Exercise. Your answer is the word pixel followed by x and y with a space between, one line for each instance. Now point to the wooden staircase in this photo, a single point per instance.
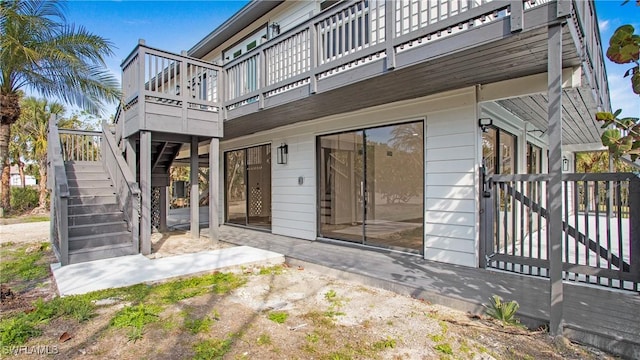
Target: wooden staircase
pixel 97 227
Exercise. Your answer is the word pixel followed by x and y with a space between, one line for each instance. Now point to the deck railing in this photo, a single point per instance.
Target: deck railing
pixel 354 33
pixel 600 227
pixel 59 187
pixel 158 76
pixel 80 145
pixel 124 182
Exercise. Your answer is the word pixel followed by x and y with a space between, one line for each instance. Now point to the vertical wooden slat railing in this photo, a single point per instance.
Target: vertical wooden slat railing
pixel 80 145
pixel 153 75
pixel 353 33
pixel 59 187
pixel 601 240
pixel 124 182
pixel 588 35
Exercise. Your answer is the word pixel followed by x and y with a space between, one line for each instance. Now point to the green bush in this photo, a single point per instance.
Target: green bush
pixel 24 198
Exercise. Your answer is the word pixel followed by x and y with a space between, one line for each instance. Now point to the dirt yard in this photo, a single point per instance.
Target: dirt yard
pixel 263 313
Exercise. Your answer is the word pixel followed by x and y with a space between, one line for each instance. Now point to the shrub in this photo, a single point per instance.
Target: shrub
pixel 24 198
pixel 503 311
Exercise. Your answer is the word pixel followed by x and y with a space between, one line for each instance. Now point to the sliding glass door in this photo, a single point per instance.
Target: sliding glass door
pixel 371 186
pixel 248 186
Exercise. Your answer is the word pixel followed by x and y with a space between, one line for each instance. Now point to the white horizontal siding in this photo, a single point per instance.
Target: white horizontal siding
pixel 450 187
pixel 293 210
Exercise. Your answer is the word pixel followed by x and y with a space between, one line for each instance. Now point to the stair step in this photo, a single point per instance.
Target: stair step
pixel 84 165
pixel 96 218
pixel 90 209
pixel 101 252
pixel 98 228
pixel 92 199
pixel 94 183
pixel 92 241
pixel 88 176
pixel 95 191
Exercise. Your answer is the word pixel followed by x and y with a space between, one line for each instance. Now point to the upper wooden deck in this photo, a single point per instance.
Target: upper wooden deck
pixel 366 53
pixel 169 93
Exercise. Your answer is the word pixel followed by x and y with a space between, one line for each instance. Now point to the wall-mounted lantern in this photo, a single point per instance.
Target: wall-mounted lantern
pixel 282 154
pixel 565 164
pixel 485 124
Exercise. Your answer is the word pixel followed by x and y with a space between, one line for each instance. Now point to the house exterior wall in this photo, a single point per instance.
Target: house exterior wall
pixel 287 15
pixel 451 170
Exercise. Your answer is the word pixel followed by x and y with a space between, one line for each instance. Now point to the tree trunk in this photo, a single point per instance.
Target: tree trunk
pixel 23 179
pixel 42 199
pixel 5 193
pixel 9 113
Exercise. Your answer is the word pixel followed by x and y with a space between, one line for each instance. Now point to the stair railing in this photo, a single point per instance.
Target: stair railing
pixel 127 190
pixel 59 187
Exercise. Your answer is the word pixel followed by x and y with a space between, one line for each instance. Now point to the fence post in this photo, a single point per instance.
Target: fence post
pixel 634 228
pixel 554 193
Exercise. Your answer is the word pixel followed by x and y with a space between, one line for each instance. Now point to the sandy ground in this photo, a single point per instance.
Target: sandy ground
pixel 328 318
pixel 25 232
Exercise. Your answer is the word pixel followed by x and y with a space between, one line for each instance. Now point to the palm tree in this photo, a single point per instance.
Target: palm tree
pixel 41 52
pixel 33 125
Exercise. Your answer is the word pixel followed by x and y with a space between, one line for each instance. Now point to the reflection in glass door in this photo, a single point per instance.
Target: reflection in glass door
pixel 248 186
pixel 371 186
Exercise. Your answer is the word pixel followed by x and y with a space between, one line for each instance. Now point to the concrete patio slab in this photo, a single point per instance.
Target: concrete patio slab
pixel 122 271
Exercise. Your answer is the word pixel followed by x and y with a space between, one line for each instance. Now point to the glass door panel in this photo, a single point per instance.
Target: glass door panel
pixel 341 186
pixel 236 195
pixel 259 186
pixel 394 187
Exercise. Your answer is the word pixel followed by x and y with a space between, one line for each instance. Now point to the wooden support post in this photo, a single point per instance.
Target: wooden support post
pixel 164 208
pixel 145 190
pixel 389 29
pixel 554 193
pixel 214 176
pixel 195 193
pixel 131 155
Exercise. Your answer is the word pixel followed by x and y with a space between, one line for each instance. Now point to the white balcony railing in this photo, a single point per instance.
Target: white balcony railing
pixel 357 32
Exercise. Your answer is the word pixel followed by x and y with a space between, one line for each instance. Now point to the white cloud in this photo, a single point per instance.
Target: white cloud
pixel 603 25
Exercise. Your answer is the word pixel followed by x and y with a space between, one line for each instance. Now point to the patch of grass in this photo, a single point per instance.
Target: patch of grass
pixel 17 330
pixel 338 355
pixel 444 348
pixel 78 307
pixel 313 337
pixel 196 326
pixel 333 313
pixel 264 339
pixel 272 270
pixel 177 290
pixel 135 318
pixel 436 337
pixel 212 349
pixel 278 316
pixel 319 319
pixel 388 343
pixel 503 311
pixel 20 265
pixel 330 295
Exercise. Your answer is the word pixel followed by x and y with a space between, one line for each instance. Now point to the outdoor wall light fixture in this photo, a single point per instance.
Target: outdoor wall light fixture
pixel 485 123
pixel 565 164
pixel 282 154
pixel 275 29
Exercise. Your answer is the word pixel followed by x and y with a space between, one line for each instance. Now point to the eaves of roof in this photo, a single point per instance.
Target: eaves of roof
pixel 240 20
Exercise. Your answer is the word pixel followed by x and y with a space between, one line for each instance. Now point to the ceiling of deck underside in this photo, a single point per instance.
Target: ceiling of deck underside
pixel 578 114
pixel 518 55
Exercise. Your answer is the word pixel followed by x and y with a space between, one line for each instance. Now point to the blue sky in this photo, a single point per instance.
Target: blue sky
pixel 178 25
